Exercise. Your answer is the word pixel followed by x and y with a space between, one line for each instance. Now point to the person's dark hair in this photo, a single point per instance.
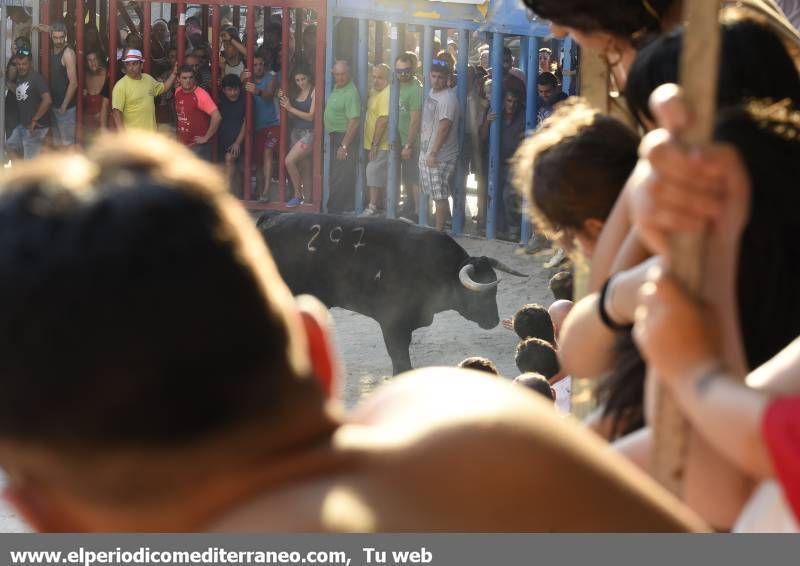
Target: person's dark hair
pixel 507 52
pixel 448 62
pixel 537 355
pixel 58 26
pixel 233 33
pixel 231 81
pixel 102 343
pixel 753 64
pixel 101 57
pixel 185 69
pixel 410 58
pixel 303 69
pixel 533 321
pixel 768 140
pixel 621 393
pixel 634 21
pixel 536 382
pixel 547 79
pixel 514 91
pixel 574 167
pixel 561 285
pixel 300 69
pixel 479 363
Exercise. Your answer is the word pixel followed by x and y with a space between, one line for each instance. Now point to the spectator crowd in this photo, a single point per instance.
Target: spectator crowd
pixel 177 97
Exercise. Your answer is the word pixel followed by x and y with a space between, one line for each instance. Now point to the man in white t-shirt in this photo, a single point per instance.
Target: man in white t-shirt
pixel 439 140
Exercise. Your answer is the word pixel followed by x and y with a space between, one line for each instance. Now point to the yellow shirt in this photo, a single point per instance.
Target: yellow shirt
pixel 377 106
pixel 135 99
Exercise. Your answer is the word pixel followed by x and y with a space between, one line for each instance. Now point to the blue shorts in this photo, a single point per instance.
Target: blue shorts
pixel 25 143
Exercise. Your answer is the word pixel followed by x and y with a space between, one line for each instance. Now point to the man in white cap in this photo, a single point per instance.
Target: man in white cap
pixel 132 100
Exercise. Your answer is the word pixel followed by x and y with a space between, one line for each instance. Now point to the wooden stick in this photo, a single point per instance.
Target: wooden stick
pixel 699 73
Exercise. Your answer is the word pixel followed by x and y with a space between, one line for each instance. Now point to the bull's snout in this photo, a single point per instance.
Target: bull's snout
pixel 489 323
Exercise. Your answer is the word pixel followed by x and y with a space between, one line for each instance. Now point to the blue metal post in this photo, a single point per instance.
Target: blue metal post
pixel 531 109
pixel 427 57
pixel 392 184
pixel 524 44
pixel 363 91
pixel 460 181
pixel 496 105
pixel 326 148
pixel 567 70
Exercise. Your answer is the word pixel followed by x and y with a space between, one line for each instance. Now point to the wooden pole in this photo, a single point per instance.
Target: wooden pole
pixel 699 73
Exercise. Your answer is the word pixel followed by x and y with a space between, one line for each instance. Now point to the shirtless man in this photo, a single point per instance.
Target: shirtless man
pixel 134 403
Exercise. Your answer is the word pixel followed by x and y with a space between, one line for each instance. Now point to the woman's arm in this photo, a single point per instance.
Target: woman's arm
pixel 586 348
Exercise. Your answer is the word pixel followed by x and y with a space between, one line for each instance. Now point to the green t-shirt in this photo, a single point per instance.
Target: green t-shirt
pixel 343 105
pixel 410 101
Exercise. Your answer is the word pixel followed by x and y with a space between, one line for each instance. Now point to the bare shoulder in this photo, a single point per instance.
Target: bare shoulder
pixel 450 450
pixel 460 451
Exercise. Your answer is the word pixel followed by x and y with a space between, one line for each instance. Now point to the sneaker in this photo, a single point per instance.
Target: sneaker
pixel 294 202
pixel 264 198
pixel 536 244
pixel 371 210
pixel 557 259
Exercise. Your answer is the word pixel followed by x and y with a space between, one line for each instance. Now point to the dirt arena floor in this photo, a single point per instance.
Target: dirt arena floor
pixel 450 338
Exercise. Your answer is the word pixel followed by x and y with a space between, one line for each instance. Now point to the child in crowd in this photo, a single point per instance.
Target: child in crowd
pixel 538 383
pixel 232 128
pixel 479 363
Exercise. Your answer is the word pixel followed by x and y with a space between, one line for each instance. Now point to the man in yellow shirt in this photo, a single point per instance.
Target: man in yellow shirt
pixel 133 98
pixel 376 137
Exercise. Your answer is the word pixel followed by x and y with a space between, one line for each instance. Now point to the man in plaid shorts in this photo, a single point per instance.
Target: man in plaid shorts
pixel 439 140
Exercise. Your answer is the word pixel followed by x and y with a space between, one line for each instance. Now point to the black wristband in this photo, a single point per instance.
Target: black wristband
pixel 601 307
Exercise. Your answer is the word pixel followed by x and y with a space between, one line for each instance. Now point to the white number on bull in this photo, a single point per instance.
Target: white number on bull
pixel 315 230
pixel 358 244
pixel 338 237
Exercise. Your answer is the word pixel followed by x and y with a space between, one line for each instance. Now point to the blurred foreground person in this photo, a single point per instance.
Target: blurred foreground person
pixel 131 403
pixel 751 417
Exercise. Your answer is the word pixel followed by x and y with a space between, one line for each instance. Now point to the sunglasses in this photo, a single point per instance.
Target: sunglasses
pixel 440 62
pixel 403 71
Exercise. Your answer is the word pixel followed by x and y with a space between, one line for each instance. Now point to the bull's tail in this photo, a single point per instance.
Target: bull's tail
pixel 267 218
pixel 500 266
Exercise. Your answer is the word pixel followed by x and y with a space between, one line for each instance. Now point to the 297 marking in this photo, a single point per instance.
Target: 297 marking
pixel 335 236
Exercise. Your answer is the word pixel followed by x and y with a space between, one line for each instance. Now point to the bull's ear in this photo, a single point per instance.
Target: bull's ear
pixel 316 322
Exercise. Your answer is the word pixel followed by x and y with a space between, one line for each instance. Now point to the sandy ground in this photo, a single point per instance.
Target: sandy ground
pixel 450 338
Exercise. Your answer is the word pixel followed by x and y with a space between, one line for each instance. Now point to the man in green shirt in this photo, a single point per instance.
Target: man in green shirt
pixel 408 128
pixel 342 116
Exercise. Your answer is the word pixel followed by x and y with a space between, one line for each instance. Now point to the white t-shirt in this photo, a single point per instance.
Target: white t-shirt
pixel 437 107
pixel 563 389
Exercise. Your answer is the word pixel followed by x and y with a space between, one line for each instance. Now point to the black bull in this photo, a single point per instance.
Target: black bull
pixel 396 273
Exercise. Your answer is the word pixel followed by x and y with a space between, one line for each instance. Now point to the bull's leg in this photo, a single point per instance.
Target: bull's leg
pixel 397 338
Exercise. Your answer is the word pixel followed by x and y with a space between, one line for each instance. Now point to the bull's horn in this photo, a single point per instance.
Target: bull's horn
pixel 465 276
pixel 500 266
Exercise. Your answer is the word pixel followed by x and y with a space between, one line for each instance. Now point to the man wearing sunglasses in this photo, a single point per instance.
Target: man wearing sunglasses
pixel 134 94
pixel 33 105
pixel 63 84
pixel 408 129
pixel 439 140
